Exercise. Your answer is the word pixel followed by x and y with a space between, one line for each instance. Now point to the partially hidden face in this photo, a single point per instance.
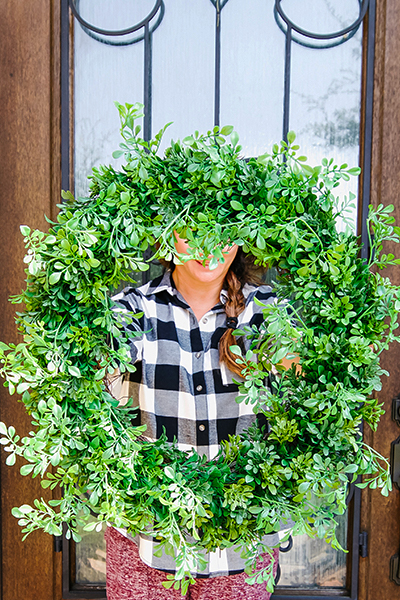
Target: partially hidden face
pixel 196 270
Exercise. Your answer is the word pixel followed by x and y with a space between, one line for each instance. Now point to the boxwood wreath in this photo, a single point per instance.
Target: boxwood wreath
pixel 344 314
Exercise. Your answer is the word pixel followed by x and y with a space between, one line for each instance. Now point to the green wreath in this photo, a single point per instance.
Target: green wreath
pixel 344 314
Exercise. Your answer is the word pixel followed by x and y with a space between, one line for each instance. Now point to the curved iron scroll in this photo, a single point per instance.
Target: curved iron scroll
pixel 283 549
pixel 345 34
pixel 91 29
pixel 148 29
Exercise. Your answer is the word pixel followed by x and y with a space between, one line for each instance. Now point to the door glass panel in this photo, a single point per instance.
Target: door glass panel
pixel 312 564
pixel 324 110
pixel 325 97
pixel 90 557
pixel 183 69
pixel 252 74
pixel 104 73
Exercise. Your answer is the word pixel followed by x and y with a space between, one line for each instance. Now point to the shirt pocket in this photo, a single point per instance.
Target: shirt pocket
pixel 227 376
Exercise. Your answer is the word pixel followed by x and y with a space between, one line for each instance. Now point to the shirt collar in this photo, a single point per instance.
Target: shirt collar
pixel 166 283
pixel 161 284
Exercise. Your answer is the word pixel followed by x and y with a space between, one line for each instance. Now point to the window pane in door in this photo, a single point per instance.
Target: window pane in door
pixel 312 564
pixel 252 74
pixel 324 112
pixel 103 74
pixel 325 99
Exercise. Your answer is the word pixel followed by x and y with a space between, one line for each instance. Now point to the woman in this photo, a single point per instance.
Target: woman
pixel 187 390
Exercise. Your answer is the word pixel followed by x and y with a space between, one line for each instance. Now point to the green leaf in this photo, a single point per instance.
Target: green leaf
pixel 55 459
pixel 236 350
pixel 25 230
pixel 22 387
pixel 143 174
pixel 26 469
pixel 66 195
pixel 351 469
pixel 25 509
pixel 57 411
pixel 10 460
pixel 55 277
pixel 304 486
pixel 291 136
pixel 170 473
pixel 94 262
pixel 334 270
pixel 307 169
pixel 260 242
pixel 226 130
pixel 354 171
pixel 234 138
pixel 74 371
pixel 236 205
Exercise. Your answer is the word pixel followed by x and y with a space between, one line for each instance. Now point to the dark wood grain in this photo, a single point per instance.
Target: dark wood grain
pixel 28 180
pixel 381 516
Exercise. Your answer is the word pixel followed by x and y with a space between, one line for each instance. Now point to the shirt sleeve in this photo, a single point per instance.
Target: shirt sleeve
pixel 130 305
pixel 266 295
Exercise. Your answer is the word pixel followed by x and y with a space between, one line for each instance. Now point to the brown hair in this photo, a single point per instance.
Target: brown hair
pixel 242 271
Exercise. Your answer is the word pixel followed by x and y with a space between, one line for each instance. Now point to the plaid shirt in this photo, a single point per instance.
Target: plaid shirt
pixel 183 388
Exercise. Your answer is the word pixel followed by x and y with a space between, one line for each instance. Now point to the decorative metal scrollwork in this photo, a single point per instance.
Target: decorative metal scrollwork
pixel 344 34
pixel 287 548
pixel 95 32
pixel 283 549
pixel 219 5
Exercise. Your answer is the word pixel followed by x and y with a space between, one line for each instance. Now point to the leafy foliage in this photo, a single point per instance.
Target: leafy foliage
pixel 342 313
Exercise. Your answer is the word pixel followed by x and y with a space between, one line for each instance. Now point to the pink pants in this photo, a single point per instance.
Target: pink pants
pixel 129 578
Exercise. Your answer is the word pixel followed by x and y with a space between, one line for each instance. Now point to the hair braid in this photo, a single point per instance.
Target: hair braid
pixel 234 305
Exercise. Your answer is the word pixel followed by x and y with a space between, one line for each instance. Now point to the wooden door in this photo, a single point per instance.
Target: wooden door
pixel 30 182
pixel 380 516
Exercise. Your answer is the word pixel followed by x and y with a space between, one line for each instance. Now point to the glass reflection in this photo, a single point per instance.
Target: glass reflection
pixel 325 95
pixel 324 112
pixel 312 564
pixel 90 558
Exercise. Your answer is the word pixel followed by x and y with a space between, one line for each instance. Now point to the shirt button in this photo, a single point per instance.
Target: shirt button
pixel 202 427
pixel 205 320
pixel 198 354
pixel 199 388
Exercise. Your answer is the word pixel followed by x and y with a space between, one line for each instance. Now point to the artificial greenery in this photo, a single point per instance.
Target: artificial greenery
pixel 343 315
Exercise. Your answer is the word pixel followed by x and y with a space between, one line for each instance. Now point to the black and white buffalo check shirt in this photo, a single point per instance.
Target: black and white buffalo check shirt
pixel 184 390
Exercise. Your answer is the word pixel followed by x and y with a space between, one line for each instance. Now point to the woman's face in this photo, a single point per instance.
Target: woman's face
pixel 194 270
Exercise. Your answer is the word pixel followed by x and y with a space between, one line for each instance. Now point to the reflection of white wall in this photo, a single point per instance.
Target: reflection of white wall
pixel 252 68
pixel 252 78
pixel 252 61
pixel 311 563
pixel 326 86
pixel 104 74
pixel 183 68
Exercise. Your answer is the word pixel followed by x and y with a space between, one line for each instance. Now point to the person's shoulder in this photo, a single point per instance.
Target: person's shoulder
pixel 136 297
pixel 263 293
pixel 132 297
